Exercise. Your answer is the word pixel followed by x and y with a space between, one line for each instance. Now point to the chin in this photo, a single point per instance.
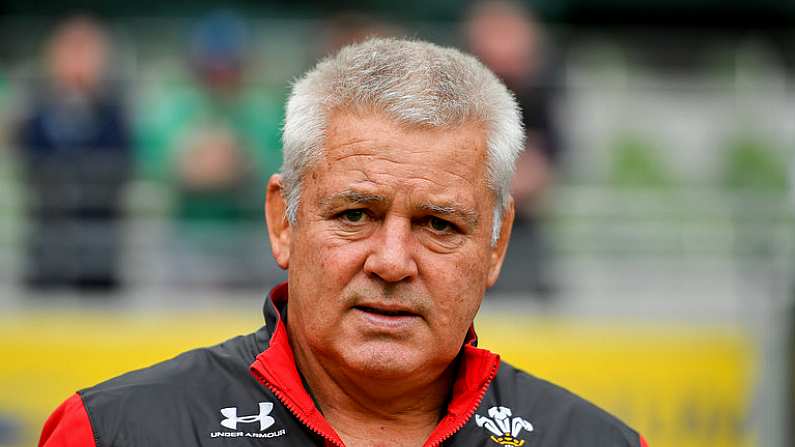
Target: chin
pixel 385 363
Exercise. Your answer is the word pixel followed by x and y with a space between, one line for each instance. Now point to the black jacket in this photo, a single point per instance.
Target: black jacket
pixel 247 391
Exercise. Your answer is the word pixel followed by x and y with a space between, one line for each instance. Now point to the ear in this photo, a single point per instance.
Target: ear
pixel 501 247
pixel 278 225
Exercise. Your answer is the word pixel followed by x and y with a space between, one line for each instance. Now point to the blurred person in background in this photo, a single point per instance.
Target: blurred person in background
pixel 74 142
pixel 507 38
pixel 348 27
pixel 213 140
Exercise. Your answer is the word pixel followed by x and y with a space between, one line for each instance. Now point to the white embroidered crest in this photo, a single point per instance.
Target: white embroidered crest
pixel 504 428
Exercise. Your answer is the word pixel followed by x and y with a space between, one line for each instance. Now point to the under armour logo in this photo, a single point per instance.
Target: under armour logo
pixel 263 417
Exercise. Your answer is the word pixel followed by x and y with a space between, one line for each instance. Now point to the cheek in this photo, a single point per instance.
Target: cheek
pixel 457 284
pixel 458 270
pixel 322 267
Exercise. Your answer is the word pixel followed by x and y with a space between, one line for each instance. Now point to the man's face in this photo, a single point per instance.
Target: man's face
pixel 391 253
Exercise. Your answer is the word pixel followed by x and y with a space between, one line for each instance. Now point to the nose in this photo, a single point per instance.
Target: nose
pixel 391 256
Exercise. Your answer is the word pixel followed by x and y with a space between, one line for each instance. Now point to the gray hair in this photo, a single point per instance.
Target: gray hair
pixel 415 83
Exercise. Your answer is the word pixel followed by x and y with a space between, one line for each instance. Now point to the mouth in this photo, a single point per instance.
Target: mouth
pixel 387 312
pixel 386 318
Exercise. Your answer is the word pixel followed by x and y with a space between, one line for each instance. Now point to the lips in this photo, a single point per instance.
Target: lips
pixel 388 311
pixel 387 318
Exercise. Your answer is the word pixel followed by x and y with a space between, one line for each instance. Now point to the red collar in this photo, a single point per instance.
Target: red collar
pixel 275 368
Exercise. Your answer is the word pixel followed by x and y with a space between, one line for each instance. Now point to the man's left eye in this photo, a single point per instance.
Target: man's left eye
pixel 353 215
pixel 440 224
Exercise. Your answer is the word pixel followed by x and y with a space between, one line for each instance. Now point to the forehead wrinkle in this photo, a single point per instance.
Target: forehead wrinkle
pixel 469 216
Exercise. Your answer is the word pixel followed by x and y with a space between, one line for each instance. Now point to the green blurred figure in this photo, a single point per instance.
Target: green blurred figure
pixel 216 142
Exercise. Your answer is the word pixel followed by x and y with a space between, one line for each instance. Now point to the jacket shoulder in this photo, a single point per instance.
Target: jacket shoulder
pixel 191 368
pixel 558 416
pixel 195 383
pixel 68 426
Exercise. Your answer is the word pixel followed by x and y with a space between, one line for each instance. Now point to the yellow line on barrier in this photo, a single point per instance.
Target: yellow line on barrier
pixel 681 385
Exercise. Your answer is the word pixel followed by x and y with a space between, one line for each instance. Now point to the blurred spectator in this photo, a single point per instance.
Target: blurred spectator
pixel 508 39
pixel 348 27
pixel 74 144
pixel 216 141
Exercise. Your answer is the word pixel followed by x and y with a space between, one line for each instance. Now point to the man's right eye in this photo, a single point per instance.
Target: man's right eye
pixel 352 215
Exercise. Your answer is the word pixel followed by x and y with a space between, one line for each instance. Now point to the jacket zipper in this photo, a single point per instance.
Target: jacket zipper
pixel 283 398
pixel 299 415
pixel 481 393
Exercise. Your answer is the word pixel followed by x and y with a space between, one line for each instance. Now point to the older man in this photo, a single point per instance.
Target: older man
pixel 392 217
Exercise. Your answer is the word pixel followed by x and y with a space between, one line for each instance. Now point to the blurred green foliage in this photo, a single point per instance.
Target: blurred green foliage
pixel 635 162
pixel 751 164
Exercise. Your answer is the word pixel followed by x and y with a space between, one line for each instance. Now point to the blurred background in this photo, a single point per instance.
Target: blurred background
pixel 650 267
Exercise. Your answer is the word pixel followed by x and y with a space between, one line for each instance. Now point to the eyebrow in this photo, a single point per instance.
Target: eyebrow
pixel 469 216
pixel 350 196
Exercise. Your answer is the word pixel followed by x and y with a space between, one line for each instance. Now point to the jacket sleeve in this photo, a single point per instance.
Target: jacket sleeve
pixel 68 426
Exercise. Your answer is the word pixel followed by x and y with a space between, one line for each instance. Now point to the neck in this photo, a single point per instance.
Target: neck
pixel 366 410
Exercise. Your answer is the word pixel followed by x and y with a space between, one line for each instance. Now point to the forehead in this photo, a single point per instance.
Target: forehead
pixel 371 151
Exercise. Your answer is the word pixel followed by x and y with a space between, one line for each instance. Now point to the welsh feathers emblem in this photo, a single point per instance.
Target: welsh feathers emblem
pixel 503 427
